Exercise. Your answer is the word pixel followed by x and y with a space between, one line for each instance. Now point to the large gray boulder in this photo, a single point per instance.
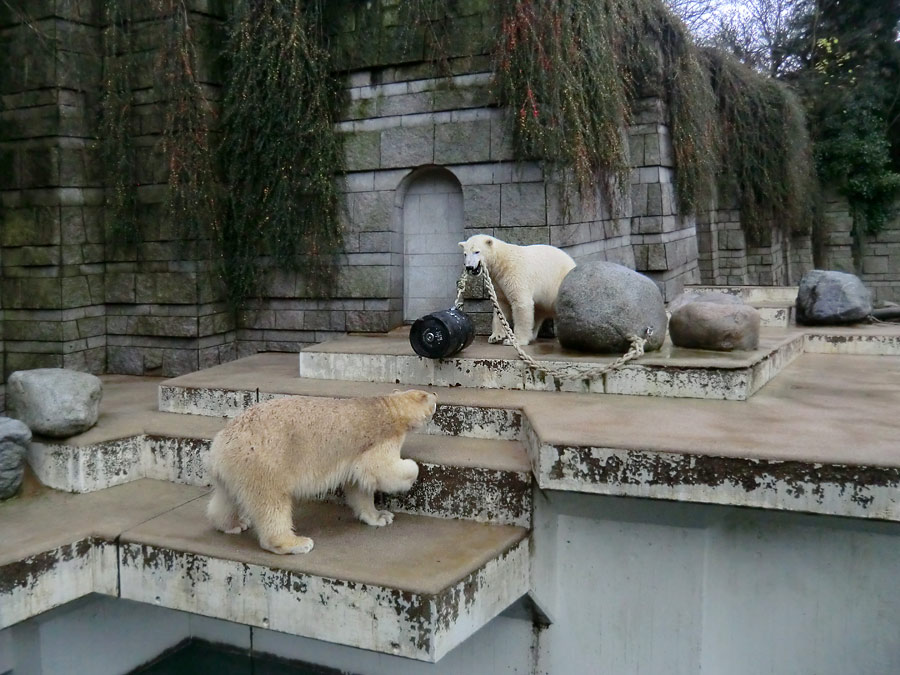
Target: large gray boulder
pixel 600 304
pixel 14 437
pixel 827 297
pixel 54 401
pixel 718 326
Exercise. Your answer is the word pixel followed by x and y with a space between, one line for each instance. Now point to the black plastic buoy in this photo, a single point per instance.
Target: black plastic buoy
pixel 441 334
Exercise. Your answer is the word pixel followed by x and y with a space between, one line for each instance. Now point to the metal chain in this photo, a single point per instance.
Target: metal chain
pixel 570 372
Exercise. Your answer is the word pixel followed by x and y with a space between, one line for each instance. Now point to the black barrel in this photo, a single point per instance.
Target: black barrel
pixel 441 334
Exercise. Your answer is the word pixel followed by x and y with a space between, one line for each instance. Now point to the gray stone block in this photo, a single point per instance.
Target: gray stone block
pixel 362 150
pixel 407 146
pixel 462 142
pixel 523 205
pixel 481 206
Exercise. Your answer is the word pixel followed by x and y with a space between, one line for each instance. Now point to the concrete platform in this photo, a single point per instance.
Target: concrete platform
pixel 486 480
pixel 821 438
pixel 670 372
pixel 416 588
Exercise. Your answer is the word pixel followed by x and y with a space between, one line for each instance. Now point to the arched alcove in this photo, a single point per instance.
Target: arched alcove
pixel 432 226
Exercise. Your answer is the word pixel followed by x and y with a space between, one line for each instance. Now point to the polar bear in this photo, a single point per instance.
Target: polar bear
pixel 302 447
pixel 526 279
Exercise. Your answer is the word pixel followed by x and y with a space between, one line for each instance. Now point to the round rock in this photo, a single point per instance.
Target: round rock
pixel 54 401
pixel 722 327
pixel 14 437
pixel 827 297
pixel 600 304
pixel 693 296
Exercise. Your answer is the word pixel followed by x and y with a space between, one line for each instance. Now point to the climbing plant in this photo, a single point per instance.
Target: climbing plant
pixel 765 153
pixel 571 70
pixel 280 152
pixel 116 149
pixel 187 126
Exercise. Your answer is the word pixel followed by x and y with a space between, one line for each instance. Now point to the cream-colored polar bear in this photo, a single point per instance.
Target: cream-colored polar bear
pixel 304 447
pixel 526 279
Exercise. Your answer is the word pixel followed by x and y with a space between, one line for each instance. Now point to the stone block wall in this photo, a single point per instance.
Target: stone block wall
pixel 728 257
pixel 52 247
pixel 875 258
pixel 664 241
pixel 70 297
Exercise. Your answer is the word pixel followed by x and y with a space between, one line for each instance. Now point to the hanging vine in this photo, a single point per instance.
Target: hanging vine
pixel 188 121
pixel 116 149
pixel 570 70
pixel 280 151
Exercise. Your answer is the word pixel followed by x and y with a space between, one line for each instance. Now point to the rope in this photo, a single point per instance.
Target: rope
pixel 570 372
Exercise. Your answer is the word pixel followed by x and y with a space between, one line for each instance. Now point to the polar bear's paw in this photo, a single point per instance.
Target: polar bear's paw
pixel 495 338
pixel 289 545
pixel 377 518
pixel 241 525
pixel 522 343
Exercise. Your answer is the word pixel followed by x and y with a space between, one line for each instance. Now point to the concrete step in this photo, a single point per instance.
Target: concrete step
pixel 416 588
pixel 486 480
pixel 672 372
pixel 753 295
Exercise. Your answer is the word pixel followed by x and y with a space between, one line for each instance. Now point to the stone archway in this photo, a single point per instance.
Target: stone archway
pixel 432 227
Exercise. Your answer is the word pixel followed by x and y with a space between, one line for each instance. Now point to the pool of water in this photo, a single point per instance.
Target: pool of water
pixel 198 658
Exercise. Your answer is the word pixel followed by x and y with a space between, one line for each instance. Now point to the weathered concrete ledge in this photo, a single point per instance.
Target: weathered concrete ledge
pixel 416 588
pixel 752 295
pixel 449 419
pixel 55 547
pixel 671 372
pixel 878 340
pixel 826 425
pixel 474 479
pixel 828 489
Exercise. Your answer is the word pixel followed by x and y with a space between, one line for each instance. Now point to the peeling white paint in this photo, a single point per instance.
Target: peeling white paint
pixel 858 345
pixel 836 490
pixel 638 379
pixel 53 578
pixel 365 616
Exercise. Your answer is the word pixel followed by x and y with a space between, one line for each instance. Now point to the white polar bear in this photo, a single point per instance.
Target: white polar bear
pixel 526 279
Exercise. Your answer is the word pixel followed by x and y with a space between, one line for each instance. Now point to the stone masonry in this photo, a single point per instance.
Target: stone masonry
pixel 69 297
pixel 875 259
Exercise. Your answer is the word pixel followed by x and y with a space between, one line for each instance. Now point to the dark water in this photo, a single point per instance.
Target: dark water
pixel 202 658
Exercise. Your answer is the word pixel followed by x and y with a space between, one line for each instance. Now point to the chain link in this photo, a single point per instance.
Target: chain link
pixel 570 372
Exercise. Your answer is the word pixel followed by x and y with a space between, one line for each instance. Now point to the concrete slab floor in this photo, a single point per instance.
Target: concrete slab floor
pixel 43 519
pixel 414 553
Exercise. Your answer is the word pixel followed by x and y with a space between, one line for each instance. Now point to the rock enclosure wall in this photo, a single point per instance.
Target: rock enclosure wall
pixel 69 297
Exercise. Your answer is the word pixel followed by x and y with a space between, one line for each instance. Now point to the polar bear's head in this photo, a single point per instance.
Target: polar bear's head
pixel 478 250
pixel 415 407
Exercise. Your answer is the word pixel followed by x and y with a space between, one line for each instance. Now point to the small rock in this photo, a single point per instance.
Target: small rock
pixel 54 401
pixel 600 304
pixel 693 296
pixel 827 297
pixel 716 326
pixel 14 437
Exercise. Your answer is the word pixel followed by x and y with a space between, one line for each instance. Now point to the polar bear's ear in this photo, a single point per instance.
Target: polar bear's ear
pixel 461 243
pixel 489 241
